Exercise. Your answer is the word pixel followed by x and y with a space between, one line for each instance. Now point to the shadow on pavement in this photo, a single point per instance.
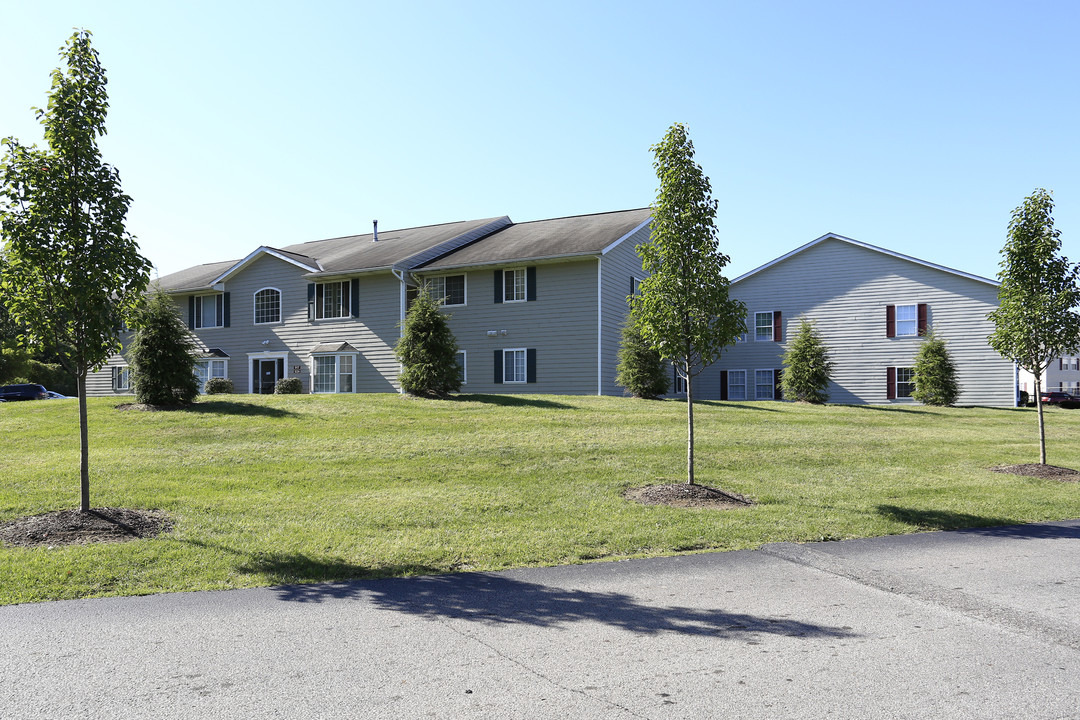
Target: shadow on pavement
pixel 494 599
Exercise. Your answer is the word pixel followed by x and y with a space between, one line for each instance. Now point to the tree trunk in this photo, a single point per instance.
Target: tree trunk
pixel 689 429
pixel 1042 426
pixel 84 464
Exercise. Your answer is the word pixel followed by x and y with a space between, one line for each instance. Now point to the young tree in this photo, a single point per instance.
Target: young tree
pixel 427 350
pixel 641 370
pixel 684 310
pixel 71 274
pixel 162 355
pixel 935 374
pixel 1036 320
pixel 806 366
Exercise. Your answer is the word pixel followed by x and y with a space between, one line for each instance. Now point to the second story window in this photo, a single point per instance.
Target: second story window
pixel 514 285
pixel 450 289
pixel 332 300
pixel 267 306
pixel 207 311
pixel 763 326
pixel 907 321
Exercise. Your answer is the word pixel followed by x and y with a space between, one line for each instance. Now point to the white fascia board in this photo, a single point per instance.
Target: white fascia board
pixel 615 244
pixel 264 250
pixel 868 246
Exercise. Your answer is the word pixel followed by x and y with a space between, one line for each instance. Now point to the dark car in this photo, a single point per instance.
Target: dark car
pixel 1063 399
pixel 28 391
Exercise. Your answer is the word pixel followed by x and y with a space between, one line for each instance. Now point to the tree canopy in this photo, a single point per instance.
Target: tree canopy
pixel 72 274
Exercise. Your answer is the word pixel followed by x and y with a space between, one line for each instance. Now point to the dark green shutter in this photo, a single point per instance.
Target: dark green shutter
pixel 225 312
pixel 498 366
pixel 530 364
pixel 311 302
pixel 354 297
pixel 498 290
pixel 723 385
pixel 530 284
pixel 191 312
pixel 778 388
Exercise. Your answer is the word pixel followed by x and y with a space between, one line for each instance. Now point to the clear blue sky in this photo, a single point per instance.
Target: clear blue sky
pixel 915 126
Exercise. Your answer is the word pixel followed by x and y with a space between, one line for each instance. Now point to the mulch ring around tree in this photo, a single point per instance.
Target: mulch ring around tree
pixel 1038 470
pixel 72 527
pixel 683 495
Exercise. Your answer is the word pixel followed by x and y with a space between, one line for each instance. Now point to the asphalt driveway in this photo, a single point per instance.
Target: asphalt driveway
pixel 969 624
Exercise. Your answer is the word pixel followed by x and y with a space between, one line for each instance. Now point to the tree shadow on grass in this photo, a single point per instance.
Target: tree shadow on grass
pixel 234 407
pixel 891 408
pixel 729 404
pixel 495 599
pixel 940 519
pixel 512 401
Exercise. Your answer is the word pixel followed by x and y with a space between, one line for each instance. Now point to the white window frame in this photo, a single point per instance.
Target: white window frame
pixel 122 382
pixel 255 307
pixel 636 285
pixel 219 302
pixel 463 362
pixel 337 358
pixel 513 272
pixel 345 306
pixel 772 384
pixel 441 294
pixel 209 363
pixel 524 365
pixel 731 385
pixel 914 320
pixel 758 327
pixel 910 382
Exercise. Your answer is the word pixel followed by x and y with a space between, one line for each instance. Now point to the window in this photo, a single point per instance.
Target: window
pixel 267 306
pixel 332 300
pixel 333 374
pixel 463 375
pixel 121 378
pixel 763 385
pixel 907 320
pixel 736 385
pixel 635 286
pixel 680 384
pixel 763 326
pixel 450 289
pixel 514 366
pixel 207 369
pixel 514 289
pixel 905 381
pixel 208 311
pixel 741 337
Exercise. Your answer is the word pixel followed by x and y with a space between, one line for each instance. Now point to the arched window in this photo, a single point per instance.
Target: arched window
pixel 267 306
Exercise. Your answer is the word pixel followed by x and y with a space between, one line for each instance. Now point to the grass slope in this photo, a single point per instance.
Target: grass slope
pixel 292 489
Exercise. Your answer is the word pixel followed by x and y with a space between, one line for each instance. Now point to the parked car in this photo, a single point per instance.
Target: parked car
pixel 57 396
pixel 1063 399
pixel 28 391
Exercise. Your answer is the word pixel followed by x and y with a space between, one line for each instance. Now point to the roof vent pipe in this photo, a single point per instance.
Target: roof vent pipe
pixel 375 237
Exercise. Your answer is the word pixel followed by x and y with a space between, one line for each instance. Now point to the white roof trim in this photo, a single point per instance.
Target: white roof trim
pixel 264 250
pixel 868 246
pixel 615 244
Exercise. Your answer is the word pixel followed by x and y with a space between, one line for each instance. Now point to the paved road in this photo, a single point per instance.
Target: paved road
pixel 971 624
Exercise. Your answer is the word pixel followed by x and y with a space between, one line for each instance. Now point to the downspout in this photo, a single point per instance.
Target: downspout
pixel 402 302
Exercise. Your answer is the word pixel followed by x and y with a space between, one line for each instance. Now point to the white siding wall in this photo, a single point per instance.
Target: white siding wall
pixel 845 289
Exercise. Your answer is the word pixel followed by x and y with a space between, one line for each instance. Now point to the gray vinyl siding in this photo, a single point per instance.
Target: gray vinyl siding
pixel 560 325
pixel 617 267
pixel 99 384
pixel 374 333
pixel 845 289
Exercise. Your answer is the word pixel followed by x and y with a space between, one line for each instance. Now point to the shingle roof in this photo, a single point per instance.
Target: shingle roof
pixel 542 239
pixel 196 278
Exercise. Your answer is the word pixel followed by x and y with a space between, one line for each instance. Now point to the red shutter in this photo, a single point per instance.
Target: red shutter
pixel 890 321
pixel 890 383
pixel 922 319
pixel 777 327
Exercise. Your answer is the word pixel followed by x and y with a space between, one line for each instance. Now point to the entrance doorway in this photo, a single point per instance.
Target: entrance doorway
pixel 266 373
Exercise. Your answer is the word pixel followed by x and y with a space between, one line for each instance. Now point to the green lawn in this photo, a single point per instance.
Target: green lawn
pixel 281 489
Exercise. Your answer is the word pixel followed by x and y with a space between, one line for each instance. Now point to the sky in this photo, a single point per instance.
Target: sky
pixel 915 126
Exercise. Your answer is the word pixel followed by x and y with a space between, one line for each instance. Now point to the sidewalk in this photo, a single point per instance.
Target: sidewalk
pixel 970 624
